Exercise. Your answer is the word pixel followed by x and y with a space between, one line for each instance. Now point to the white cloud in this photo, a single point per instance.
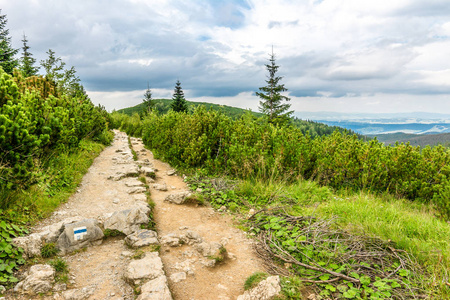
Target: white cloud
pixel 386 49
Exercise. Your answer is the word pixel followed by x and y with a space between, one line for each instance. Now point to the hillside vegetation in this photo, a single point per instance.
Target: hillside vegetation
pixel 330 211
pixel 48 139
pixel 163 106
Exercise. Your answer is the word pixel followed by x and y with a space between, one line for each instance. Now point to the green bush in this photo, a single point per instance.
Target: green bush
pixel 36 124
pixel 253 148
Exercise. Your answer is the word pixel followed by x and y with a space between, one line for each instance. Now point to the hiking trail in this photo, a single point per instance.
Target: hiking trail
pixel 191 240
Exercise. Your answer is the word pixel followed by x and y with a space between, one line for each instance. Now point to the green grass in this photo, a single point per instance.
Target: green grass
pixel 253 280
pixel 59 180
pixel 49 250
pixel 61 269
pixel 410 226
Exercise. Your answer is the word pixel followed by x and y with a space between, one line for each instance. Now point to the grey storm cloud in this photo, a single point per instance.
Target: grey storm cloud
pixel 219 48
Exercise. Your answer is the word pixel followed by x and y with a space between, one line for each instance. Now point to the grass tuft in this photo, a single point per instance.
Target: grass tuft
pixel 49 250
pixel 254 279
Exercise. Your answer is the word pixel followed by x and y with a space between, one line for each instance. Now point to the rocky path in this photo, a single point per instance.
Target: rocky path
pixel 201 254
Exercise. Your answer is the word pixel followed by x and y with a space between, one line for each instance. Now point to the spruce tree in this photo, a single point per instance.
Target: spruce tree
pixel 179 103
pixel 148 101
pixel 27 61
pixel 7 53
pixel 272 100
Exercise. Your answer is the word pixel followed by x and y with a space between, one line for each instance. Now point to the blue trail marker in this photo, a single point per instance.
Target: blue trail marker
pixel 79 233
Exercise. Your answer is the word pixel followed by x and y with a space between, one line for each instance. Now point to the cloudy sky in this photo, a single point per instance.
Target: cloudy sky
pixel 377 56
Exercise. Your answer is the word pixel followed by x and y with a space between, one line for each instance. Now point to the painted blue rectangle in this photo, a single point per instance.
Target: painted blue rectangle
pixel 80 231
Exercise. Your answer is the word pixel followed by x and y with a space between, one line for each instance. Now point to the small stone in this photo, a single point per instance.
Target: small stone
pixel 231 256
pixel 126 253
pixel 171 172
pixel 177 198
pixel 136 190
pixel 59 287
pixel 142 238
pixel 210 263
pixel 160 187
pixel 171 240
pixel 177 277
pixel 116 201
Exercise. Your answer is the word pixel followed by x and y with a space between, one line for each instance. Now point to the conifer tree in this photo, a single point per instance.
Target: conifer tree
pixel 66 80
pixel 27 61
pixel 179 103
pixel 7 53
pixel 272 100
pixel 148 101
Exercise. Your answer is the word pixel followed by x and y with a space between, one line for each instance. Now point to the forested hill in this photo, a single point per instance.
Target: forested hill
pixel 314 128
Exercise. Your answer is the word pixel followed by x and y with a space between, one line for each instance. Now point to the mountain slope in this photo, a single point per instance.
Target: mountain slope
pixel 306 126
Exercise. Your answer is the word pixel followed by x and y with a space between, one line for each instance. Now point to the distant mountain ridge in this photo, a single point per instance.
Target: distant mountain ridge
pixel 421 140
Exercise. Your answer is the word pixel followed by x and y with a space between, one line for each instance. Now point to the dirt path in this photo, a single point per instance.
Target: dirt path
pixel 98 271
pixel 221 282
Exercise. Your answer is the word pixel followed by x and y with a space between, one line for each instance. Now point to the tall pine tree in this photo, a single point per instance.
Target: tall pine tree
pixel 272 100
pixel 7 53
pixel 27 61
pixel 148 101
pixel 179 102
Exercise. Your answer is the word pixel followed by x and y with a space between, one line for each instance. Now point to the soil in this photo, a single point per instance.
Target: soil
pixel 102 267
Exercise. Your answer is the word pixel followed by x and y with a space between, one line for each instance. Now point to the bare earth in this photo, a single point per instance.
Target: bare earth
pixel 102 267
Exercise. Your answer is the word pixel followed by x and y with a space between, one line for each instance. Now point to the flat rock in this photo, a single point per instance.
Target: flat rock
pixel 127 221
pixel 147 171
pixel 190 237
pixel 79 294
pixel 144 162
pixel 147 268
pixel 126 170
pixel 31 245
pixel 141 238
pixel 160 187
pixel 40 279
pixel 171 239
pixel 177 198
pixel 140 197
pixel 136 190
pixel 155 289
pixel 133 182
pixel 79 235
pixel 171 172
pixel 209 249
pixel 265 290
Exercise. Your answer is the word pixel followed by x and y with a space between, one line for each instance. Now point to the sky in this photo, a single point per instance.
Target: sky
pixel 349 56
